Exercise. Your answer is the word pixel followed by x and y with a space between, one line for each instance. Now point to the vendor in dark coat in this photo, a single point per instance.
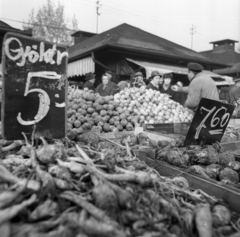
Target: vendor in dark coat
pixel 166 87
pixel 90 80
pixel 155 80
pixel 107 87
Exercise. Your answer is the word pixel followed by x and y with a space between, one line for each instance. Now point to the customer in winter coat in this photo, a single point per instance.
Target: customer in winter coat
pixel 155 80
pixel 166 87
pixel 230 93
pixel 90 80
pixel 201 86
pixel 107 87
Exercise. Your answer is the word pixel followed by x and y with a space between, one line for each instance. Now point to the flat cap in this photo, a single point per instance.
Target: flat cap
pixel 195 67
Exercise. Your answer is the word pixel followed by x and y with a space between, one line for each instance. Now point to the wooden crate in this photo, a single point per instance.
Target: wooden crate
pixel 229 195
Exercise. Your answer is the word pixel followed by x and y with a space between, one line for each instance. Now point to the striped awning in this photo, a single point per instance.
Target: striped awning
pixel 81 67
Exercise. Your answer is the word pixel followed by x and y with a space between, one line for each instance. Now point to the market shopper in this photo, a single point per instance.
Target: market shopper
pixel 90 80
pixel 230 93
pixel 201 86
pixel 155 79
pixel 107 87
pixel 166 87
pixel 236 112
pixel 0 94
pixel 137 80
pixel 179 96
pixel 122 85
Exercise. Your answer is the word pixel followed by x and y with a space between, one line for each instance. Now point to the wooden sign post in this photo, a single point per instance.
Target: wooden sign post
pixel 34 88
pixel 209 123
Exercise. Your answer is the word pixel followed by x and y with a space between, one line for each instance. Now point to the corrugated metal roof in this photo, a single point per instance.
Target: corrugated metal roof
pixel 132 38
pixel 228 57
pixel 229 70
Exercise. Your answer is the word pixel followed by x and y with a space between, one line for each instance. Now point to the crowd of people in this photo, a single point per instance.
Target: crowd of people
pixel 201 85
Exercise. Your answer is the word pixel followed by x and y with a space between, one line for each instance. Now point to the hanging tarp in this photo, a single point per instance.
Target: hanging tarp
pixel 162 68
pixel 81 67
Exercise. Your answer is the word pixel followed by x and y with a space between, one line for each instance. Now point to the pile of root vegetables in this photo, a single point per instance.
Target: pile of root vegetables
pixel 97 188
pixel 212 161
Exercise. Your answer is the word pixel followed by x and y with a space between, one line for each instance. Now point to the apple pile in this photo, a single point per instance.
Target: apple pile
pixel 152 106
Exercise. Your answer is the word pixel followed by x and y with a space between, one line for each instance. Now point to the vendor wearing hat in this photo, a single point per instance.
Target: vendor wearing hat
pixel 90 80
pixel 201 86
pixel 166 87
pixel 137 80
pixel 155 81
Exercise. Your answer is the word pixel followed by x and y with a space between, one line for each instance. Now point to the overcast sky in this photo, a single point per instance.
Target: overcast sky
pixel 170 19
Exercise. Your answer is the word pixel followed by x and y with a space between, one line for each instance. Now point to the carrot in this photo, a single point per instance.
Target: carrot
pixel 5 229
pixel 237 234
pixel 90 208
pixel 203 220
pixel 124 198
pixel 63 184
pixel 72 166
pixel 14 145
pixel 47 180
pixel 46 209
pixel 12 211
pixel 7 197
pixel 93 227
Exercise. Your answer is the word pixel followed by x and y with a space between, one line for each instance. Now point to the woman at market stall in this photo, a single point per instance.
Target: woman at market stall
pixel 107 87
pixel 166 87
pixel 90 80
pixel 156 77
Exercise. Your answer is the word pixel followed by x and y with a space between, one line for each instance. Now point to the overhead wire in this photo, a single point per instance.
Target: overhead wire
pixel 35 24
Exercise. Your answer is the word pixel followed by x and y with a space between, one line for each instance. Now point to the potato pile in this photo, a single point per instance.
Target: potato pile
pixel 87 111
pixel 152 106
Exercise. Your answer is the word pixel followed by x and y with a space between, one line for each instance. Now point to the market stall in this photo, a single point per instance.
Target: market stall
pixel 76 164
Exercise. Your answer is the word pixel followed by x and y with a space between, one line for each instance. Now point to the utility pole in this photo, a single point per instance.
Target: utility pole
pixel 98 11
pixel 192 32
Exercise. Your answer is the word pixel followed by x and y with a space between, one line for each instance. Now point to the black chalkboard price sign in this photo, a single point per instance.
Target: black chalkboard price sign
pixel 209 123
pixel 34 88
